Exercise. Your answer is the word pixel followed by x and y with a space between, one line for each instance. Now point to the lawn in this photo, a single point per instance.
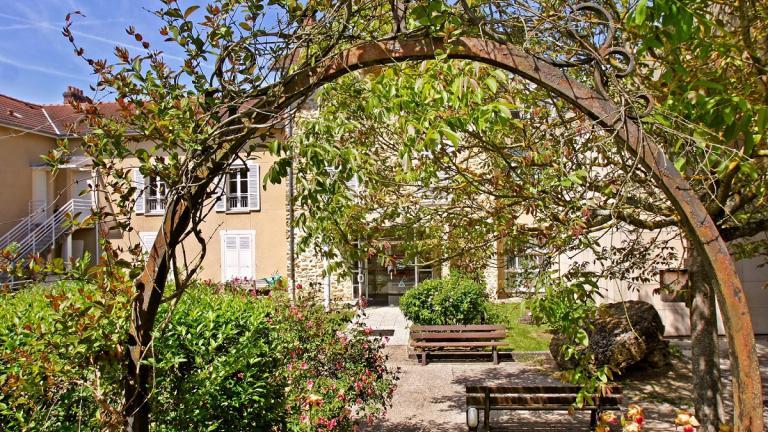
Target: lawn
pixel 520 337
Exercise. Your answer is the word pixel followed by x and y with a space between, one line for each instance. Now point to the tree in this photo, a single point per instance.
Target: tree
pixel 450 159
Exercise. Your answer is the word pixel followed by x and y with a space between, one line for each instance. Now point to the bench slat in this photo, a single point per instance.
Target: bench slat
pixel 458 344
pixel 455 328
pixel 537 401
pixel 542 389
pixel 467 335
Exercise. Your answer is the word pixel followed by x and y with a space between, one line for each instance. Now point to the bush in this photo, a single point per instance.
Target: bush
pixel 60 357
pixel 453 300
pixel 224 361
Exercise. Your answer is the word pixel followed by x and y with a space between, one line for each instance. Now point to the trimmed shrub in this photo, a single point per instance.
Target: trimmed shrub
pixel 224 361
pixel 453 300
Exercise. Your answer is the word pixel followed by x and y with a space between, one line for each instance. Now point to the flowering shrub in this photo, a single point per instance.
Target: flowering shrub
pixel 335 373
pixel 225 361
pixel 634 420
pixel 258 363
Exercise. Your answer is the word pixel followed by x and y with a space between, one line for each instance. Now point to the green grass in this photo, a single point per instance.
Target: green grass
pixel 520 337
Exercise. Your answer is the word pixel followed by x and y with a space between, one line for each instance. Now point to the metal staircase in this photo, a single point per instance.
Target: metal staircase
pixel 38 232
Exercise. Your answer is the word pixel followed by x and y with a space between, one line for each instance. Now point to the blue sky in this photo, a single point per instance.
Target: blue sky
pixel 37 62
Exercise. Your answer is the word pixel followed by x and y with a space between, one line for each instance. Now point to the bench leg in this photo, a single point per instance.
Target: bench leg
pixel 593 419
pixel 472 419
pixel 487 411
pixel 495 354
pixel 423 358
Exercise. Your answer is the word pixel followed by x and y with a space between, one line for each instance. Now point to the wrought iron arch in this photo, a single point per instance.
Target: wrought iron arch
pixel 551 74
pixel 595 103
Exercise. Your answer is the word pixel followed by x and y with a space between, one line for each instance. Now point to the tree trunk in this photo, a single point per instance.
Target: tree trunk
pixel 150 286
pixel 705 356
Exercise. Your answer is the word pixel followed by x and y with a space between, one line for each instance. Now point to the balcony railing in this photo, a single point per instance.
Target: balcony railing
pixel 155 205
pixel 237 202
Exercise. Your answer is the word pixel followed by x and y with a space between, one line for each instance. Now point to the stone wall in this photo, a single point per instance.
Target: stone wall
pixel 310 273
pixel 491 277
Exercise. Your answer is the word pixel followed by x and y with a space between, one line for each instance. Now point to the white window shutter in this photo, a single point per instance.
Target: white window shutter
pixel 138 182
pixel 220 195
pixel 254 189
pixel 245 256
pixel 230 257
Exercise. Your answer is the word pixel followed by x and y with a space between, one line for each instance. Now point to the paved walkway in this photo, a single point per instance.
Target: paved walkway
pixel 431 398
pixel 388 318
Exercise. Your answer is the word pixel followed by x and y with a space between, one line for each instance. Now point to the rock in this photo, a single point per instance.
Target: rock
pixel 625 334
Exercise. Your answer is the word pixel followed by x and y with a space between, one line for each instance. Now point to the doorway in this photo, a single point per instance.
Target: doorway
pixel 383 280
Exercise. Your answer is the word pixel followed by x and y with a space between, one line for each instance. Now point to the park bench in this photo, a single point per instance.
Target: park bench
pixel 534 398
pixel 463 338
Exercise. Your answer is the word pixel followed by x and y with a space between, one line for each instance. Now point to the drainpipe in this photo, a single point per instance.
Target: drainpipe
pixel 291 233
pixel 327 286
pixel 95 200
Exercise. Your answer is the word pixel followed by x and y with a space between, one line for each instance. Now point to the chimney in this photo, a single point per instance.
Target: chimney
pixel 74 94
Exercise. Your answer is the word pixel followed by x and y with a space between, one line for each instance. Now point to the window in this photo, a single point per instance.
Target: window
pixel 237 255
pixel 155 195
pixel 147 239
pixel 150 195
pixel 520 270
pixel 237 189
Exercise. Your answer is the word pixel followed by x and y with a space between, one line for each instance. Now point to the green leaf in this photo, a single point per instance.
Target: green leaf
pixel 492 84
pixel 679 163
pixel 190 10
pixel 641 12
pixel 452 136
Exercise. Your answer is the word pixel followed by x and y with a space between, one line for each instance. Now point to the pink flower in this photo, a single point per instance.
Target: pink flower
pixel 368 330
pixel 304 365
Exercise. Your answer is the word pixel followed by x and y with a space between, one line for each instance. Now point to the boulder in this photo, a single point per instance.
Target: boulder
pixel 625 335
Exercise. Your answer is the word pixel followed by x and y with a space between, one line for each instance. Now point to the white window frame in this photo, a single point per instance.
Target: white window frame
pixel 240 197
pixel 520 263
pixel 246 200
pixel 252 237
pixel 157 198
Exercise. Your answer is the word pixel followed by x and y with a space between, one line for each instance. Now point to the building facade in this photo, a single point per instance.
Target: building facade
pixel 248 233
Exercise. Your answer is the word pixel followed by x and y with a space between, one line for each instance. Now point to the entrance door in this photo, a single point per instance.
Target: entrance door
pixel 39 201
pixel 387 280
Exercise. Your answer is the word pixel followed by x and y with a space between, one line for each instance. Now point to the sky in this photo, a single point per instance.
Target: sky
pixel 37 63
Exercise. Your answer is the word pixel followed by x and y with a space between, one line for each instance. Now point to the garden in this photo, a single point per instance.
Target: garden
pixel 585 146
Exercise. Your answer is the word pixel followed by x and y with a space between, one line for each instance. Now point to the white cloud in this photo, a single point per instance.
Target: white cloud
pixel 42 69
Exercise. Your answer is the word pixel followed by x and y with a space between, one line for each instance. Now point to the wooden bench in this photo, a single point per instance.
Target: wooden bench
pixel 468 338
pixel 535 398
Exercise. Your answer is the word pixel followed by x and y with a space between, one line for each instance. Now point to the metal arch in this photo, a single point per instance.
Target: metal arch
pixel 747 390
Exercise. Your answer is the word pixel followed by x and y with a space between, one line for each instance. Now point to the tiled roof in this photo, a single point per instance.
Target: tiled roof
pixel 60 120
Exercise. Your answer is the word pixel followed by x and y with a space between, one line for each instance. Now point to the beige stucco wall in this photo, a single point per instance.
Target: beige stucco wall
pixel 267 224
pixel 20 151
